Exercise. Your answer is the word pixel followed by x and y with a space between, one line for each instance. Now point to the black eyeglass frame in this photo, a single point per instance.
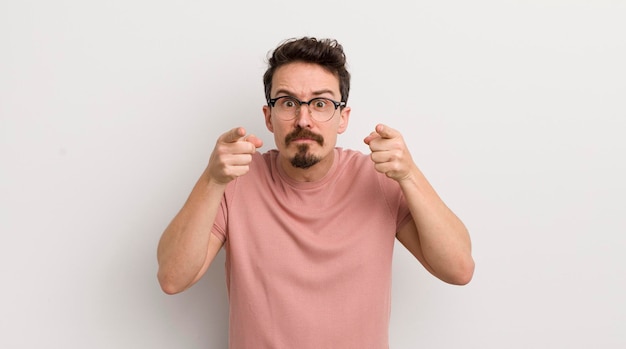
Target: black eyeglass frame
pixel 272 103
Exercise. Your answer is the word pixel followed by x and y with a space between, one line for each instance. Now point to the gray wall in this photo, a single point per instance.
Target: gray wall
pixel 514 110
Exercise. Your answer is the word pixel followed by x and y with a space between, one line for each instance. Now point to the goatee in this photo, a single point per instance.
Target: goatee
pixel 303 159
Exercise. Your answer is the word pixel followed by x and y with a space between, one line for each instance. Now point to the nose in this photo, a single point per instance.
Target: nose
pixel 303 116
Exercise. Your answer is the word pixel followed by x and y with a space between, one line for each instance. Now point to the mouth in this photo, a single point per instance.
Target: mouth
pixel 303 136
pixel 302 139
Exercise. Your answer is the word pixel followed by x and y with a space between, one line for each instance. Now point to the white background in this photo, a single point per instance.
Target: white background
pixel 515 111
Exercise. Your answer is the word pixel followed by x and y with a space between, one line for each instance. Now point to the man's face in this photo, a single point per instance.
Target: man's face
pixel 304 141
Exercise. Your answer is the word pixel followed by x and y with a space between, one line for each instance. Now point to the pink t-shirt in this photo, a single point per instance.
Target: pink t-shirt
pixel 308 264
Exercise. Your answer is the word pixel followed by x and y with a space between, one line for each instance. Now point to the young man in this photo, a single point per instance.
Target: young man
pixel 308 227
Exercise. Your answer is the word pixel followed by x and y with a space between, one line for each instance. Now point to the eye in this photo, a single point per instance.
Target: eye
pixel 288 103
pixel 320 103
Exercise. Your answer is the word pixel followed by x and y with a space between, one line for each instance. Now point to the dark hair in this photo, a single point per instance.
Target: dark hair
pixel 328 53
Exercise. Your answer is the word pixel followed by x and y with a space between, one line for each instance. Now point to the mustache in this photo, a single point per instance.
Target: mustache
pixel 304 133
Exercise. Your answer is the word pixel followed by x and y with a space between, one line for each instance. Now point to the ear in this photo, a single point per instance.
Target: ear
pixel 343 120
pixel 268 118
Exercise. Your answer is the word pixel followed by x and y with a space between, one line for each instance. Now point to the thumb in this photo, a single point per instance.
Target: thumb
pixel 257 142
pixel 371 137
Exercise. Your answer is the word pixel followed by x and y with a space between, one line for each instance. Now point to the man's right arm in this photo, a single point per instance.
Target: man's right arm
pixel 187 246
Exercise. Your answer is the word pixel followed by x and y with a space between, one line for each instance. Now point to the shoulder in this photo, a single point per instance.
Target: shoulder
pixel 357 167
pixel 263 161
pixel 362 168
pixel 261 167
pixel 269 157
pixel 351 157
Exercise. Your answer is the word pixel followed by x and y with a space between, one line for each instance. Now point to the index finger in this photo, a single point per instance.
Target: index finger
pixel 233 135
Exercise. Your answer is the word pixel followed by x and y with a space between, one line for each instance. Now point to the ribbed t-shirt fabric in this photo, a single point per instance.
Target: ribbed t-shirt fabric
pixel 308 264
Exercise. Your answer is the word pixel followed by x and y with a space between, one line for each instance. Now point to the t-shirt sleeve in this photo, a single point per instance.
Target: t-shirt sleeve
pixel 404 214
pixel 219 226
pixel 395 200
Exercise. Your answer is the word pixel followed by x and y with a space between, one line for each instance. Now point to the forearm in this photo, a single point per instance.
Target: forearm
pixel 443 238
pixel 183 247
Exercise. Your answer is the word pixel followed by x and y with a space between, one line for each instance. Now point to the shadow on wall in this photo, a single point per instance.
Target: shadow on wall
pixel 199 315
pixel 130 310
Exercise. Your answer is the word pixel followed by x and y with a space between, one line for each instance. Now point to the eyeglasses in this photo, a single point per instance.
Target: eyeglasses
pixel 288 107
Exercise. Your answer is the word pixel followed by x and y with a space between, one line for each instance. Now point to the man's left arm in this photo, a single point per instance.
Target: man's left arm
pixel 435 236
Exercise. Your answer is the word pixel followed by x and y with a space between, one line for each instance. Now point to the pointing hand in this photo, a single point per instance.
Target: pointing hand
pixel 389 152
pixel 232 155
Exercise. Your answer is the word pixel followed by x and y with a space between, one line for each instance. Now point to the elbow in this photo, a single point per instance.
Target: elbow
pixel 167 284
pixel 463 274
pixel 169 289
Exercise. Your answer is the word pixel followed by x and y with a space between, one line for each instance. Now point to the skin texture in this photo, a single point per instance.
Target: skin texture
pixel 436 236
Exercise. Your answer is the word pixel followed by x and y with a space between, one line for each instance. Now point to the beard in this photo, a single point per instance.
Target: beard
pixel 303 159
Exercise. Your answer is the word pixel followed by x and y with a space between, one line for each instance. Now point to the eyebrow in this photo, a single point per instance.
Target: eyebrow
pixel 315 93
